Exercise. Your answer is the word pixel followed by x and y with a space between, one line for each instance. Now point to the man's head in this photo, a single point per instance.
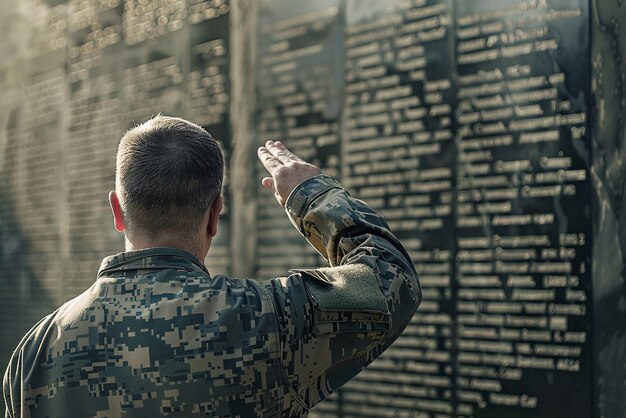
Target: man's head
pixel 168 184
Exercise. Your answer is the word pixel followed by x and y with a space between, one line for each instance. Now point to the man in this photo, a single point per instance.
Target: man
pixel 157 335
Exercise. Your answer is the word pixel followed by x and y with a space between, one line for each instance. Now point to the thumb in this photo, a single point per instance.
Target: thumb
pixel 268 183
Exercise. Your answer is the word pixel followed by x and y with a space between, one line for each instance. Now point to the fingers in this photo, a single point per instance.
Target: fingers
pixel 270 162
pixel 291 155
pixel 274 155
pixel 279 151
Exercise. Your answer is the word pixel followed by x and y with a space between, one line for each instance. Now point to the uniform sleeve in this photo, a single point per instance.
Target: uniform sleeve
pixel 335 321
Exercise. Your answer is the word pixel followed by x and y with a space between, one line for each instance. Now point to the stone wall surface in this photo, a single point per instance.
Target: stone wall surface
pixel 490 134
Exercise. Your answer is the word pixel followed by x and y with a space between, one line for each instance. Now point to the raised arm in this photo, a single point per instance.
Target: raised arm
pixel 334 321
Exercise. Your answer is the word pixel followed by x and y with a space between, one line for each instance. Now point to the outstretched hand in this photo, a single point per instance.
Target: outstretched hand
pixel 286 169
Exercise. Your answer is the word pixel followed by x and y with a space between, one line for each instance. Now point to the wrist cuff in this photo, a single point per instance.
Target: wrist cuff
pixel 304 193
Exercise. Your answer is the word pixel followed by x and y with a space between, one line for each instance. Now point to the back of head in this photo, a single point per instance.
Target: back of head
pixel 168 173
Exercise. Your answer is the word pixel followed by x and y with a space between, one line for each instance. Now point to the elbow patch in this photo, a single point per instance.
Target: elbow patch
pixel 346 299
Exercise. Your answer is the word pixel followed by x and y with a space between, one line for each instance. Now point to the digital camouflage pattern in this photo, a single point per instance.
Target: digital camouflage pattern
pixel 156 335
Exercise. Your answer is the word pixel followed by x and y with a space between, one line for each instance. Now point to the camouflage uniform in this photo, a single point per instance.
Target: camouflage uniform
pixel 156 335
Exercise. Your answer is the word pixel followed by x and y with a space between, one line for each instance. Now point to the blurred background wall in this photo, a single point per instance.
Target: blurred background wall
pixel 489 133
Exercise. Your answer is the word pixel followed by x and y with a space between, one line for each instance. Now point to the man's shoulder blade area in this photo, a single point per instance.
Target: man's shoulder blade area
pixel 157 347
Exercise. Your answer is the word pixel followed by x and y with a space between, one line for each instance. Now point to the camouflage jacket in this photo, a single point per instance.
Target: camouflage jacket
pixel 156 335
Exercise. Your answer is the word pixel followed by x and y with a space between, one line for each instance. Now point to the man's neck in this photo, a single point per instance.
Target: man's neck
pixel 199 253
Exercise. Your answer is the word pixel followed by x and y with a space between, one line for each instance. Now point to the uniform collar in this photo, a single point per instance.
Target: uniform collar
pixel 152 258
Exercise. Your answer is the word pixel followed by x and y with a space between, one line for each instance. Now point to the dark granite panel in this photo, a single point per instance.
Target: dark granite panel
pixel 522 214
pixel 299 93
pixel 608 176
pixel 465 124
pixel 399 155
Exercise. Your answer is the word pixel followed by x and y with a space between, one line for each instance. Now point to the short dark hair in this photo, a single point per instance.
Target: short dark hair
pixel 168 173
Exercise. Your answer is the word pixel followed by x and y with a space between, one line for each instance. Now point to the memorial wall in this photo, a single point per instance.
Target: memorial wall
pixel 490 134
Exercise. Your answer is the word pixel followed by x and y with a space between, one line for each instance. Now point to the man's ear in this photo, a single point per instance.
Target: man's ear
pixel 118 220
pixel 214 215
